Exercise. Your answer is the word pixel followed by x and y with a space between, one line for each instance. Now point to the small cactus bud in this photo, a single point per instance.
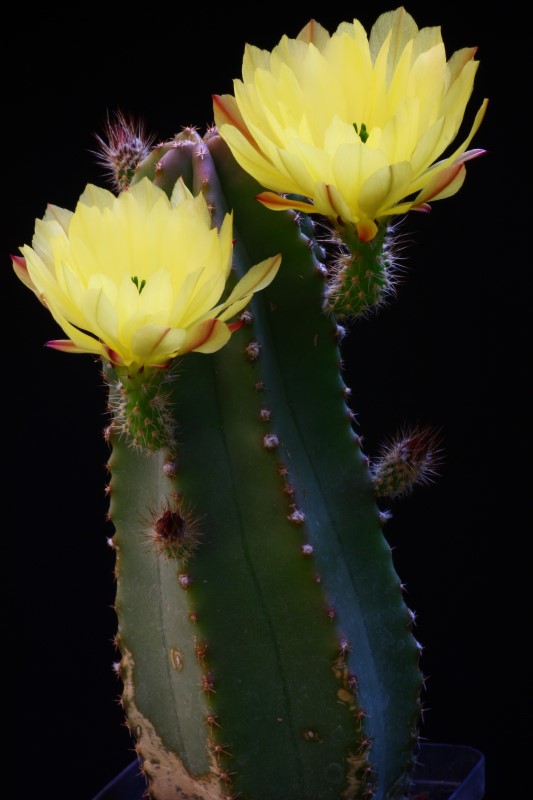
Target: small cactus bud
pixel 406 461
pixel 123 146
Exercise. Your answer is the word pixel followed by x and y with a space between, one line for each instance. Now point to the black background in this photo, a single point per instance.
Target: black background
pixel 450 352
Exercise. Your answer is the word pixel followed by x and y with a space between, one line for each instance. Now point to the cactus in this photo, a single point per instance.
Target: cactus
pixel 266 649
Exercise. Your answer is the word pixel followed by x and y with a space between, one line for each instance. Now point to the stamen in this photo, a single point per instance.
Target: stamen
pixel 135 280
pixel 363 133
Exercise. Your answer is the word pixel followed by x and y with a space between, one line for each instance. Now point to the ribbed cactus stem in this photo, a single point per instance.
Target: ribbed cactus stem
pixel 266 646
pixel 159 667
pixel 301 363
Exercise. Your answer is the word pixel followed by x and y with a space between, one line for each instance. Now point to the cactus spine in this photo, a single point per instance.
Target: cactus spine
pixel 266 648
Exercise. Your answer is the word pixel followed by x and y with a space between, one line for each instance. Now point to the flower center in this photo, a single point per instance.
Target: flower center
pixel 140 287
pixel 363 133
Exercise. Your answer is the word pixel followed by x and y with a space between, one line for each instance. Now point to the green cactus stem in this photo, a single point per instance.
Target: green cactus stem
pixel 266 647
pixel 159 668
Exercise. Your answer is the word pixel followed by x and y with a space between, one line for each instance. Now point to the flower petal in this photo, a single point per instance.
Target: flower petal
pixel 207 337
pixel 21 271
pixel 257 278
pixel 278 203
pixel 154 344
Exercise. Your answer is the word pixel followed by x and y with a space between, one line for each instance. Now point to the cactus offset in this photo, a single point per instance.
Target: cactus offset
pixel 408 460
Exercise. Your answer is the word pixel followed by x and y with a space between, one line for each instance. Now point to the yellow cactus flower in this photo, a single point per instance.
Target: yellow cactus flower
pixel 359 127
pixel 137 279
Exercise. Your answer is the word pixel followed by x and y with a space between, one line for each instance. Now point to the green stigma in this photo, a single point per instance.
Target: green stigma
pixel 363 133
pixel 135 280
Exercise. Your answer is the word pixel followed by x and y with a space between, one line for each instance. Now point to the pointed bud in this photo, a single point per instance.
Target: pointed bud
pixel 122 147
pixel 410 459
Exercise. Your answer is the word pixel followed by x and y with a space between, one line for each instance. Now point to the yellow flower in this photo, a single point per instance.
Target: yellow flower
pixel 353 124
pixel 137 279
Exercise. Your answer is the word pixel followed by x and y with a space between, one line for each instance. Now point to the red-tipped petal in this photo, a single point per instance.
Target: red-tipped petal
pixel 278 203
pixel 424 207
pixel 20 261
pixel 366 230
pixel 113 356
pixel 441 181
pixel 21 271
pixel 470 154
pixel 199 335
pixel 447 175
pixel 227 113
pixel 309 32
pixel 234 326
pixel 65 345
